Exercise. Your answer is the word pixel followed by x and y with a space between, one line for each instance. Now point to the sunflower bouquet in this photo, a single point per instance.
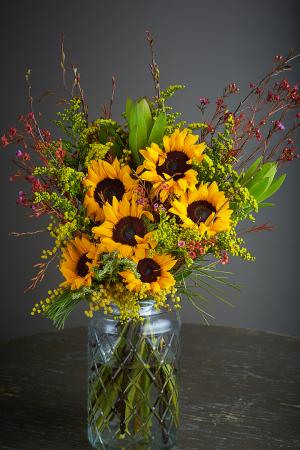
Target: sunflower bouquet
pixel 136 208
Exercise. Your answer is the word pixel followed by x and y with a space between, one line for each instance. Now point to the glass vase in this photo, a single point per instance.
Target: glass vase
pixel 133 396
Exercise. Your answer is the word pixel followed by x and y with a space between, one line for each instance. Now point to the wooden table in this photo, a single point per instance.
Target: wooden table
pixel 240 391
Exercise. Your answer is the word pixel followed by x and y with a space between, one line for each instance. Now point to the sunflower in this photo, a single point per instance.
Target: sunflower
pixel 79 257
pixel 153 270
pixel 123 228
pixel 169 169
pixel 206 209
pixel 105 180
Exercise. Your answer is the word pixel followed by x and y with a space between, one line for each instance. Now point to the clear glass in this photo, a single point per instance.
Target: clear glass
pixel 133 393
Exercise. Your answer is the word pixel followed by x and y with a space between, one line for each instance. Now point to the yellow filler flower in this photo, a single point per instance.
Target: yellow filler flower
pixel 105 180
pixel 124 229
pixel 79 258
pixel 169 169
pixel 206 209
pixel 154 272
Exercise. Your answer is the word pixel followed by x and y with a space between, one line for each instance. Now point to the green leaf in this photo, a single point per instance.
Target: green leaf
pixel 249 173
pixel 158 129
pixel 145 114
pixel 137 131
pixel 106 132
pixel 129 103
pixel 268 170
pixel 265 205
pixel 273 188
pixel 259 188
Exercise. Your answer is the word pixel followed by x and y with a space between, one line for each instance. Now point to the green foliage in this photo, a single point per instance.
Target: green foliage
pixel 62 306
pixel 57 202
pixel 203 282
pixel 72 121
pixel 222 144
pixel 63 232
pixel 140 122
pixel 138 128
pixel 67 179
pixel 110 267
pixel 260 180
pixel 230 242
pixel 158 130
pixel 96 151
pixel 159 106
pixel 166 95
pixel 110 132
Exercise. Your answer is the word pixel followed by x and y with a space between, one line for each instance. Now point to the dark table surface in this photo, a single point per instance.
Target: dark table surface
pixel 240 391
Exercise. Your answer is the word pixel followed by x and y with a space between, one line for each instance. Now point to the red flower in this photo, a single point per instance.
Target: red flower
pixel 60 152
pixel 271 97
pixel 192 254
pixel 12 132
pixel 36 185
pixel 233 89
pixel 28 128
pixel 258 134
pixel 294 94
pixel 285 85
pixel 279 125
pixel 30 116
pixel 46 135
pixel 4 141
pixel 204 101
pixel 224 258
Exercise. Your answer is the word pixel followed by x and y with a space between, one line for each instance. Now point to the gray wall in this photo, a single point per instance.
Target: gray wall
pixel 202 44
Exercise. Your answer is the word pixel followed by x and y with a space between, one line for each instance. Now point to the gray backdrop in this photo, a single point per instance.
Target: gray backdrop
pixel 204 45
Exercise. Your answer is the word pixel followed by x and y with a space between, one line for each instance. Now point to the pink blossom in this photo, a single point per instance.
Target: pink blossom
pixel 21 198
pixel 4 141
pixel 279 125
pixel 224 258
pixel 60 153
pixel 12 132
pixel 192 254
pixel 36 185
pixel 204 101
pixel 28 128
pixel 285 85
pixel 46 135
pixel 181 244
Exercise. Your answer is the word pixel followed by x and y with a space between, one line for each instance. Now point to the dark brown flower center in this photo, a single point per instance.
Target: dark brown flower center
pixel 175 165
pixel 127 228
pixel 200 211
pixel 107 189
pixel 82 268
pixel 149 270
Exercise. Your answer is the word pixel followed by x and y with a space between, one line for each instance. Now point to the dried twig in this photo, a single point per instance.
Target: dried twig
pixel 30 99
pixel 113 90
pixel 38 278
pixel 154 66
pixel 62 64
pixel 76 84
pixel 264 227
pixel 26 233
